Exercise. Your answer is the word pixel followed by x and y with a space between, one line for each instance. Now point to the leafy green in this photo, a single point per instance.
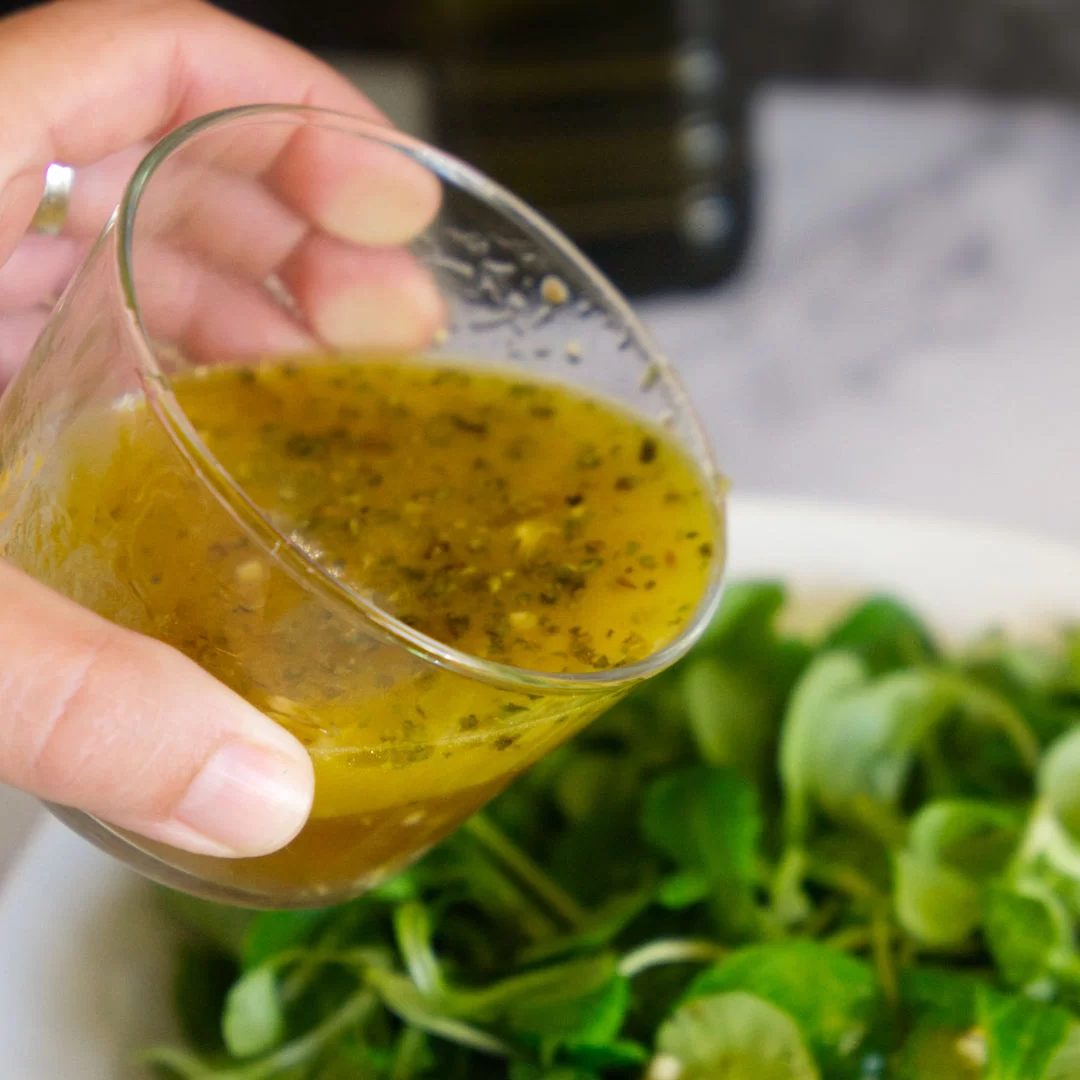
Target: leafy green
pixel 885 635
pixel 935 904
pixel 939 998
pixel 828 680
pixel 973 837
pixel 252 1022
pixel 730 720
pixel 277 931
pixel 708 822
pixel 1065 1064
pixel 1026 930
pixel 1059 782
pixel 1022 1036
pixel 733 1036
pixel 847 856
pixel 930 1051
pixel 852 741
pixel 834 999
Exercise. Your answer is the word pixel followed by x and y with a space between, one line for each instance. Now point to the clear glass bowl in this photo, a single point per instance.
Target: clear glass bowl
pixel 199 264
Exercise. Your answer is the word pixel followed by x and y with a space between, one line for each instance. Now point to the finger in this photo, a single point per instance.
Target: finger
pixel 130 731
pixel 239 228
pixel 380 299
pixel 345 298
pixel 213 317
pixel 357 189
pixel 18 332
pixel 38 270
pixel 82 81
pixel 231 221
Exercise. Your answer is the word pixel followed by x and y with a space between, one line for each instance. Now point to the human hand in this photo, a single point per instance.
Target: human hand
pixel 91 715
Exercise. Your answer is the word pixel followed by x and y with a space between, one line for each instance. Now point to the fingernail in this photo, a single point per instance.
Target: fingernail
pixel 246 800
pixel 384 214
pixel 400 316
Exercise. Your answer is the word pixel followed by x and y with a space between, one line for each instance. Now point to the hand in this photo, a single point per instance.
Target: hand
pixel 91 715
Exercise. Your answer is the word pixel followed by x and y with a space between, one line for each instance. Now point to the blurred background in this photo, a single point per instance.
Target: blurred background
pixel 853 224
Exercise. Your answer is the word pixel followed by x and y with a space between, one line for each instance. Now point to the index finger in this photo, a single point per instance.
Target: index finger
pixel 83 79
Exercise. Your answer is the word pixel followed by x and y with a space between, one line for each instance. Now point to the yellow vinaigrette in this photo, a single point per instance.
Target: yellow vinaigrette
pixel 515 520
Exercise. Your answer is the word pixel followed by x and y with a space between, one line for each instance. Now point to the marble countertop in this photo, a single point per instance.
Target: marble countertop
pixel 907 331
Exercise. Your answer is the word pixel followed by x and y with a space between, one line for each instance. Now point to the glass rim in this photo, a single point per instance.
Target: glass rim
pixel 290 556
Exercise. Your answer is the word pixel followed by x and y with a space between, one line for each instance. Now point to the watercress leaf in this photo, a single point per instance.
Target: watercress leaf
pixel 934 903
pixel 680 891
pixel 599 928
pixel 938 997
pixel 461 867
pixel 886 635
pixel 732 1036
pixel 1054 829
pixel 976 838
pixel 591 1016
pixel 1022 1035
pixel 201 984
pixel 791 903
pixel 1036 679
pixel 855 740
pixel 866 741
pixel 1065 1064
pixel 253 1021
pixel 1037 668
pixel 616 1054
pixel 930 1052
pixel 335 1066
pixel 832 997
pixel 398 889
pixel 732 720
pixel 829 678
pixel 623 863
pixel 412 928
pixel 400 995
pixel 854 862
pixel 583 1000
pixel 865 746
pixel 526 1070
pixel 587 780
pixel 708 821
pixel 746 614
pixel 1059 781
pixel 733 687
pixel 272 932
pixel 1025 932
pixel 412 1055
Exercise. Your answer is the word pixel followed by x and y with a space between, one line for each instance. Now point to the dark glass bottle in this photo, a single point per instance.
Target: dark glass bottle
pixel 624 121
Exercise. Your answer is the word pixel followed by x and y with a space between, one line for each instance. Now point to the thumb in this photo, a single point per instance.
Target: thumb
pixel 129 730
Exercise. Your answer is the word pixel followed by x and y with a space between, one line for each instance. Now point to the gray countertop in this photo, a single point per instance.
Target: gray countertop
pixel 908 329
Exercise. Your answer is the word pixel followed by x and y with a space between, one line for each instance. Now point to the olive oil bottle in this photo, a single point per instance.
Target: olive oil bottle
pixel 624 121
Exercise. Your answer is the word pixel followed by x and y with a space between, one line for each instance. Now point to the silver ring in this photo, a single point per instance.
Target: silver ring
pixel 53 209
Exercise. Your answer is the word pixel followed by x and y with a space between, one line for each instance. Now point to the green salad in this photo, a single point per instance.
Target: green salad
pixel 847 857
